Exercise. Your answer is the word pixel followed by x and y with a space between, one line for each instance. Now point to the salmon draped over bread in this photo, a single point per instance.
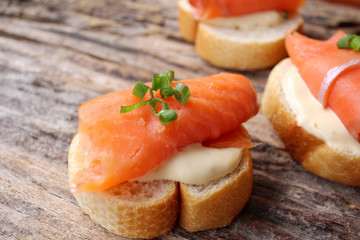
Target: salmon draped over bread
pixel 118 147
pixel 319 61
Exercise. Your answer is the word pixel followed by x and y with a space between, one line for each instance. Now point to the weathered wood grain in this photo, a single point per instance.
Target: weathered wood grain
pixel 56 54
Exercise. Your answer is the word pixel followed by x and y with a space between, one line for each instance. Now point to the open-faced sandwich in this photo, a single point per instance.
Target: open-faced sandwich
pixel 239 34
pixel 313 102
pixel 181 153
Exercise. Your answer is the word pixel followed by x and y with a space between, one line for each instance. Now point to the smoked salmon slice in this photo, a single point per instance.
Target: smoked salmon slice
pixel 207 9
pixel 117 147
pixel 316 60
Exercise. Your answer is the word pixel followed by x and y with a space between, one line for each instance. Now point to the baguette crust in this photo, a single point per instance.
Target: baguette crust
pixel 148 218
pixel 187 23
pixel 130 209
pixel 218 205
pixel 236 49
pixel 141 210
pixel 313 153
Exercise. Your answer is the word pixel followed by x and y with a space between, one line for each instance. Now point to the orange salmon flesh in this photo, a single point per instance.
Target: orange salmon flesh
pixel 119 147
pixel 314 59
pixel 207 9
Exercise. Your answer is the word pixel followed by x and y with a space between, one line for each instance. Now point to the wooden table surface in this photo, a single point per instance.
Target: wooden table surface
pixel 56 54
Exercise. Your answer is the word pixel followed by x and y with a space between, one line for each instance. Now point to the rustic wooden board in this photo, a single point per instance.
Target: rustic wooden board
pixel 56 54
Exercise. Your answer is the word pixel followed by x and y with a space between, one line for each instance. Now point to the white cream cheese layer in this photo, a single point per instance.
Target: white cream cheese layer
pixel 310 115
pixel 196 165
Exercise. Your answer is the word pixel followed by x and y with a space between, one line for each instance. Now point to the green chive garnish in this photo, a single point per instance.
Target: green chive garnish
pixel 169 73
pixel 140 90
pixel 349 42
pixel 182 93
pixel 155 101
pixel 167 116
pixel 125 109
pixel 355 43
pixel 166 92
pixel 160 82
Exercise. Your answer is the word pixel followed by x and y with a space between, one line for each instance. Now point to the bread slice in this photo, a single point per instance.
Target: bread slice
pixel 216 204
pixel 187 22
pixel 135 210
pixel 314 154
pixel 232 48
pixel 149 209
pixel 130 209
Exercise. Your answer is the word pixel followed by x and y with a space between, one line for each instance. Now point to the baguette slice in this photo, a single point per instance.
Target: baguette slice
pixel 149 209
pixel 130 209
pixel 314 154
pixel 237 49
pixel 216 204
pixel 187 22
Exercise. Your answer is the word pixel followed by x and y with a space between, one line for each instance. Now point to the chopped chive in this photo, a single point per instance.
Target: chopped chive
pixel 156 82
pixel 345 41
pixel 349 42
pixel 355 43
pixel 140 90
pixel 166 92
pixel 155 101
pixel 170 77
pixel 125 109
pixel 167 116
pixel 181 92
pixel 160 82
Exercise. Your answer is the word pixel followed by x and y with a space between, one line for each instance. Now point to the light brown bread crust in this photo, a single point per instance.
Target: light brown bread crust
pixel 149 209
pixel 217 204
pixel 230 48
pixel 130 209
pixel 149 217
pixel 187 22
pixel 219 46
pixel 314 154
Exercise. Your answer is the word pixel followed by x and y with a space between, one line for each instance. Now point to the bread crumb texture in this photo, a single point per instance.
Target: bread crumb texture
pixel 134 209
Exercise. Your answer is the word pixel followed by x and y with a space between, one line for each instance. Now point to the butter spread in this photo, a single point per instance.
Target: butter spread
pixel 260 20
pixel 196 165
pixel 310 114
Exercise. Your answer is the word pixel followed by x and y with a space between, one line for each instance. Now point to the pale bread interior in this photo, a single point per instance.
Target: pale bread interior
pixel 257 35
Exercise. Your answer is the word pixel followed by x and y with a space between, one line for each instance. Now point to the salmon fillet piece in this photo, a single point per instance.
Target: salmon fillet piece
pixel 207 9
pixel 119 147
pixel 314 59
